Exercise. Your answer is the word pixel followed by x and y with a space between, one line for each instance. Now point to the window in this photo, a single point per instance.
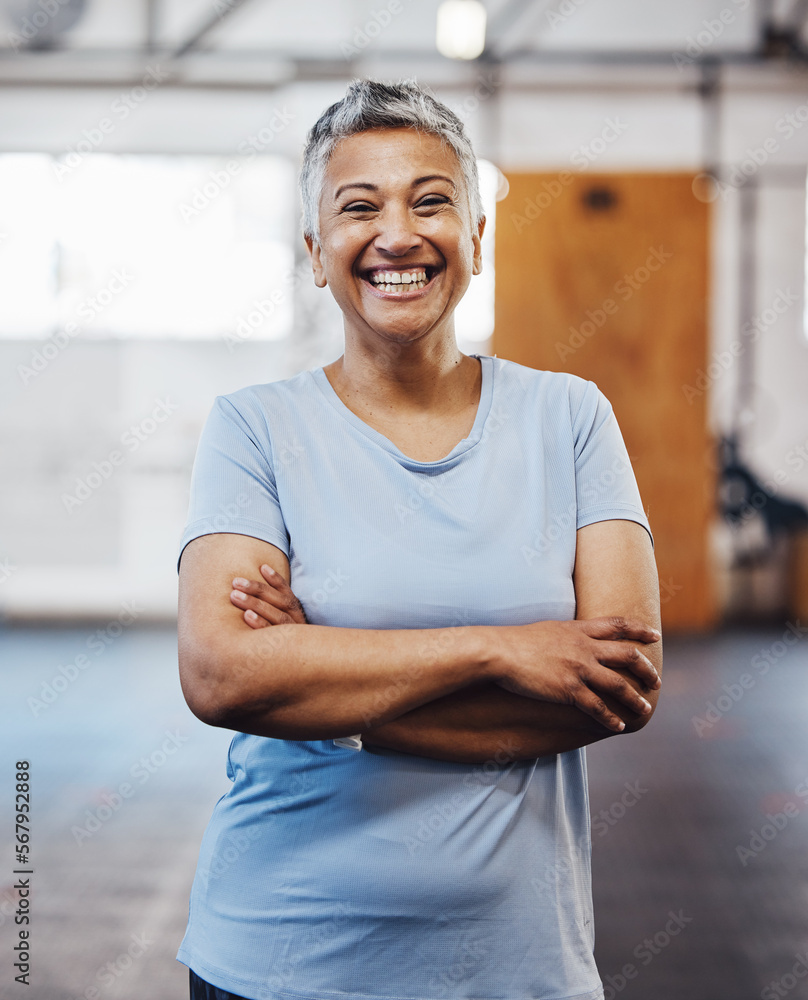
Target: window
pixel 146 246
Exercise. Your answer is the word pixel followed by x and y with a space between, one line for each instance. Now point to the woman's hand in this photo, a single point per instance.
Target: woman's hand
pixel 267 602
pixel 569 663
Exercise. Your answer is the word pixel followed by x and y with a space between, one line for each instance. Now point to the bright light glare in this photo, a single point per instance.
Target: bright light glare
pixel 146 246
pixel 461 29
pixel 474 317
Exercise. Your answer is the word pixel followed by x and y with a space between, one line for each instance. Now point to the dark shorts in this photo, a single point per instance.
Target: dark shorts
pixel 201 990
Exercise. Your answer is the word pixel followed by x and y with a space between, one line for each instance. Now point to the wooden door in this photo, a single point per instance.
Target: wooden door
pixel 606 276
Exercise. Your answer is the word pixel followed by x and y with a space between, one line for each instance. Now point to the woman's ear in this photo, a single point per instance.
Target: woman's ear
pixel 316 263
pixel 476 238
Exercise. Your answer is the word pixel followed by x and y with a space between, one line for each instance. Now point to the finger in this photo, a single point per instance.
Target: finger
pixel 289 601
pixel 268 612
pixel 254 620
pixel 587 701
pixel 618 687
pixel 624 654
pixel 618 627
pixel 270 594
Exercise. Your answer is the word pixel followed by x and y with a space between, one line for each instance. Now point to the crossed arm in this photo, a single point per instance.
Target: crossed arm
pixel 614 577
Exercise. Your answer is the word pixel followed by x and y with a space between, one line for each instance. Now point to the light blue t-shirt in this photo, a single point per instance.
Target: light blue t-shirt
pixel 328 873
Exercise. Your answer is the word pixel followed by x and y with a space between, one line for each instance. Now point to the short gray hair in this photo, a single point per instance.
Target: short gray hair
pixel 368 105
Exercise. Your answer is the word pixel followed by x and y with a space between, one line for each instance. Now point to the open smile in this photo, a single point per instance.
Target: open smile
pixel 400 282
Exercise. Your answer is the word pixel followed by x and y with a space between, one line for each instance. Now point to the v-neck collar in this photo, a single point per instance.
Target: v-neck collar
pixel 483 409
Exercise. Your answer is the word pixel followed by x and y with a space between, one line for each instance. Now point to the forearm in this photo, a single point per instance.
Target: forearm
pixel 484 722
pixel 309 682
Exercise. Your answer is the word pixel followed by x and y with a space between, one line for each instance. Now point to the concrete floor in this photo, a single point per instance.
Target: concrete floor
pixel 680 912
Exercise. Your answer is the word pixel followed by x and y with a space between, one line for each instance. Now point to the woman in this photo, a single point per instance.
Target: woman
pixel 410 533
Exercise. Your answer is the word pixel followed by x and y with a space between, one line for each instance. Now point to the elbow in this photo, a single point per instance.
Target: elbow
pixel 222 688
pixel 638 722
pixel 207 685
pixel 205 693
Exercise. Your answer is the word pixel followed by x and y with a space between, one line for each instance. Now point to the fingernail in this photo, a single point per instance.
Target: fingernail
pixel 241 582
pixel 621 727
pixel 237 595
pixel 646 706
pixel 269 570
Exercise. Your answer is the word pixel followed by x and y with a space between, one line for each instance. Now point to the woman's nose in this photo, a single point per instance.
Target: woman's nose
pixel 397 233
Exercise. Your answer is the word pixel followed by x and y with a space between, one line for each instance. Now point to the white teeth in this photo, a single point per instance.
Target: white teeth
pixel 400 289
pixel 386 279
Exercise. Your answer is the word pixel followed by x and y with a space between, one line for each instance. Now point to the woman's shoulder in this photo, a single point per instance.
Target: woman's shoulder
pixel 266 397
pixel 543 383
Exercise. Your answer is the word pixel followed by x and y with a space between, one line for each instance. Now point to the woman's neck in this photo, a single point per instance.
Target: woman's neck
pixel 412 378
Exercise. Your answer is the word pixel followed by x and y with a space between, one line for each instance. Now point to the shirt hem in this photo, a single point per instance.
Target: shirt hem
pixel 253 991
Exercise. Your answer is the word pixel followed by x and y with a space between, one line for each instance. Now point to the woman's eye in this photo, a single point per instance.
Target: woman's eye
pixel 432 201
pixel 358 206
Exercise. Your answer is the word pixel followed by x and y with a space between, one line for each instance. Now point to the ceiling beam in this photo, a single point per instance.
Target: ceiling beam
pixel 221 10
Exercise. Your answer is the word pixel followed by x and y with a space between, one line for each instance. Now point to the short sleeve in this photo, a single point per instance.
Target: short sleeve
pixel 233 485
pixel 605 485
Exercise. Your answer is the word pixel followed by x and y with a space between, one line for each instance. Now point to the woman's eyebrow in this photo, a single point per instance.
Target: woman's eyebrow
pixel 434 177
pixel 366 186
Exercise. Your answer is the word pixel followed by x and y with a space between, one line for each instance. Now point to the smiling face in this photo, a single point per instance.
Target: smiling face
pixel 398 245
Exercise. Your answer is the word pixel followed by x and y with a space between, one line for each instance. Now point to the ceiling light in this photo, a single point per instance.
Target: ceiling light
pixel 461 29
